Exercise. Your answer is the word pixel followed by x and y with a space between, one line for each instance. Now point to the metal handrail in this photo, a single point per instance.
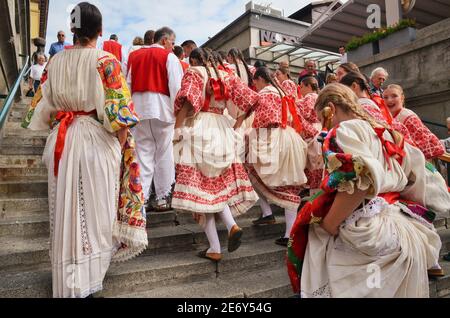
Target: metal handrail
pixel 10 98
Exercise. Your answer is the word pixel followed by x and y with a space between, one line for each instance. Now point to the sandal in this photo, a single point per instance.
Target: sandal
pixel 162 206
pixel 234 239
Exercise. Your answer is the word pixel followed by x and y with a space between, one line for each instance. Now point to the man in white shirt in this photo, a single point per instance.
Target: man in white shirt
pixel 343 55
pixel 154 75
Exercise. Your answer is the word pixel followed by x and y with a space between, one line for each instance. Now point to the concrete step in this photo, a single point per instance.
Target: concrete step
pixel 17 116
pixel 29 226
pixel 440 287
pixel 16 250
pixel 270 283
pixel 21 149
pixel 21 166
pixel 33 187
pixel 145 273
pixel 21 161
pixel 22 140
pixel 19 217
pixel 15 129
pixel 15 207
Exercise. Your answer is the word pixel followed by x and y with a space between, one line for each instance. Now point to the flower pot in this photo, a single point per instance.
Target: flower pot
pixel 399 38
pixel 363 52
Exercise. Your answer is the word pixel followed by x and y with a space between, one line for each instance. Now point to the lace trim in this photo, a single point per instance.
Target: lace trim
pixel 374 207
pixel 52 208
pixel 323 292
pixel 87 248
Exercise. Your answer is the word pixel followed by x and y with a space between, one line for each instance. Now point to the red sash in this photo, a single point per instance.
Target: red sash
pixel 383 108
pixel 288 102
pixel 65 120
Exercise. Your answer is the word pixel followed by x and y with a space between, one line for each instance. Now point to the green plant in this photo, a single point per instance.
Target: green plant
pixel 378 34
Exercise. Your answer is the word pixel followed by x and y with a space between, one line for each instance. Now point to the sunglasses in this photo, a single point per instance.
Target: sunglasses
pixel 61 35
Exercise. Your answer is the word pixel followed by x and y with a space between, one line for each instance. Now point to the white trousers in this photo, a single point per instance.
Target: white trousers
pixel 155 154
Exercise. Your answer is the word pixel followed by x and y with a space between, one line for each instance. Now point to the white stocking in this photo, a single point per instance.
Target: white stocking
pixel 291 215
pixel 227 218
pixel 265 207
pixel 211 233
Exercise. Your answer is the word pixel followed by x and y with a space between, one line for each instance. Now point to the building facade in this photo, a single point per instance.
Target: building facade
pixel 263 33
pixel 20 22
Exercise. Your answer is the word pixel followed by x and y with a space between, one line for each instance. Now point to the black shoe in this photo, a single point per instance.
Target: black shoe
pixel 282 241
pixel 447 257
pixel 270 219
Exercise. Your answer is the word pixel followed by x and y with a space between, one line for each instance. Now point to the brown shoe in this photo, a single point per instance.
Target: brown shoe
pixel 216 257
pixel 234 238
pixel 434 273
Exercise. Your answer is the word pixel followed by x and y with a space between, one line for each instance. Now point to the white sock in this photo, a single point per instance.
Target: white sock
pixel 291 215
pixel 211 233
pixel 227 218
pixel 265 207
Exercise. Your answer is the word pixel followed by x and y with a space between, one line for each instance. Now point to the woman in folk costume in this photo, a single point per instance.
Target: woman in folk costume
pixel 309 89
pixel 374 105
pixel 245 72
pixel 277 152
pixel 283 76
pixel 422 136
pixel 210 176
pixel 369 233
pixel 87 102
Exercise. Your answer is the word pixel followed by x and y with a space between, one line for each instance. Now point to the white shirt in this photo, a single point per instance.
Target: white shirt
pixel 36 71
pixel 151 105
pixel 344 58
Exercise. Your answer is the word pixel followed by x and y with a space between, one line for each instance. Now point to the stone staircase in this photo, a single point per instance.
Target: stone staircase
pixel 168 268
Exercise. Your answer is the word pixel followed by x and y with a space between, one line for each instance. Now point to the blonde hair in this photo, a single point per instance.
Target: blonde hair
pixel 397 87
pixel 344 98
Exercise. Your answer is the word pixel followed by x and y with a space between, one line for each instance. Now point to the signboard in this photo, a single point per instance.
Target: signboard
pixel 268 38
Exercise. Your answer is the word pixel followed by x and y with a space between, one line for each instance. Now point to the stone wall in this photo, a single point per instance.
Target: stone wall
pixel 422 68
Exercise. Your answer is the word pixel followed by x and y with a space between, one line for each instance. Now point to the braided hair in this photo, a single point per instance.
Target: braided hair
pixel 344 98
pixel 264 73
pixel 237 55
pixel 311 82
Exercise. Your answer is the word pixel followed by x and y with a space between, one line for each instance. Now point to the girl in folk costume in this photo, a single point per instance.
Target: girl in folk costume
pixel 277 155
pixel 373 214
pixel 424 139
pixel 309 89
pixel 211 178
pixel 346 68
pixel 245 72
pixel 90 110
pixel 283 77
pixel 375 107
pixel 222 65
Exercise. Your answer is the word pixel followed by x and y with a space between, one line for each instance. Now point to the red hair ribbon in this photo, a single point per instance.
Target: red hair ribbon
pixel 288 102
pixel 65 120
pixel 216 86
pixel 391 149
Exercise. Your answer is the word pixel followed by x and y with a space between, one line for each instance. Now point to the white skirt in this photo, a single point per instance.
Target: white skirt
pixel 83 203
pixel 379 253
pixel 209 168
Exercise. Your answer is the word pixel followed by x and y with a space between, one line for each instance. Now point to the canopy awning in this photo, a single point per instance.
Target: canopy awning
pixel 297 55
pixel 350 20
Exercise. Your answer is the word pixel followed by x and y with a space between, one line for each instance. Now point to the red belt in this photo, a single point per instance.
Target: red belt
pixel 65 120
pixel 288 103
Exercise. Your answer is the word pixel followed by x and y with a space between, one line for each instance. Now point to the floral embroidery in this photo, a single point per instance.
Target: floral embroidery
pixel 342 170
pixel 119 107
